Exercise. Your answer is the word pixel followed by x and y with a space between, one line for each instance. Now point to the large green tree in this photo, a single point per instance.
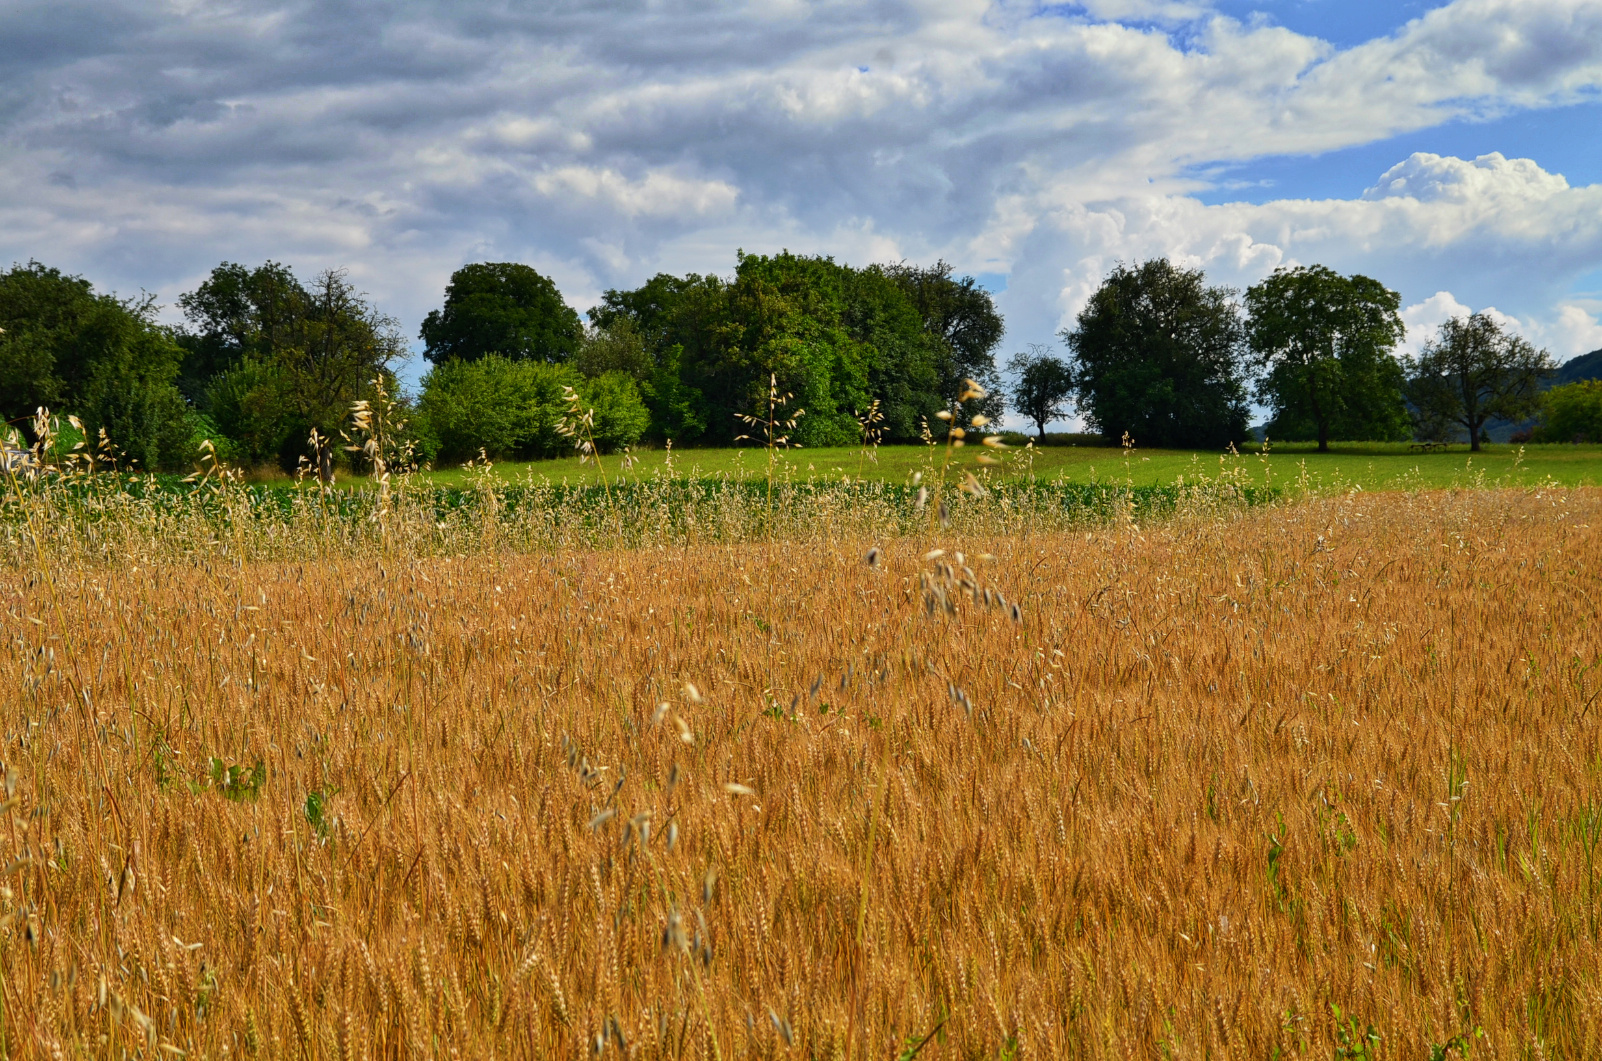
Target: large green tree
pixel 963 316
pixel 270 357
pixel 1325 341
pixel 238 313
pixel 501 308
pixel 102 358
pixel 1472 372
pixel 1157 354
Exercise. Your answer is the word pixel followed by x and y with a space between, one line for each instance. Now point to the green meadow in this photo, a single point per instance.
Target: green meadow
pixel 1365 465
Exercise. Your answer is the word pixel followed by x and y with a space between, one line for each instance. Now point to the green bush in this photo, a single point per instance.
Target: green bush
pixel 1572 413
pixel 512 409
pixel 145 418
pixel 247 406
pixel 620 413
pixel 504 408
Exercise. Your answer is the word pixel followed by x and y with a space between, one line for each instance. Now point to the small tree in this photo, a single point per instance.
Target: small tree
pixel 1045 384
pixel 1473 372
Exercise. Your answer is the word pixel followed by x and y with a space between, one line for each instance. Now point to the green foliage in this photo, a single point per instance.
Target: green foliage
pixel 1474 371
pixel 621 417
pixel 1326 341
pixel 1278 889
pixel 268 358
pixel 97 356
pixel 618 347
pixel 962 317
pixel 1351 1043
pixel 676 408
pixel 316 810
pixel 504 408
pixel 1044 387
pixel 1157 355
pixel 1571 413
pixel 834 336
pixel 236 782
pixel 505 309
pixel 513 408
pixel 238 314
pixel 244 403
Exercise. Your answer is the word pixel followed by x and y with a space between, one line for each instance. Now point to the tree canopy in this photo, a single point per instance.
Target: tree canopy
pixel 1326 341
pixel 501 308
pixel 268 357
pixel 1157 354
pixel 836 337
pixel 1571 413
pixel 1474 371
pixel 102 358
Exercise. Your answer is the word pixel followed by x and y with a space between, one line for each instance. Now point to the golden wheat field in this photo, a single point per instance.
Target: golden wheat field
pixel 1317 779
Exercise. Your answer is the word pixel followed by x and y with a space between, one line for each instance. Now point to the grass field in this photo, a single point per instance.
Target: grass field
pixel 1317 779
pixel 1373 466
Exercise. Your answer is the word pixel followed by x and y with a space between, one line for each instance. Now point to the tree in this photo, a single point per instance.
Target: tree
pixel 1326 342
pixel 963 316
pixel 343 343
pixel 617 347
pixel 501 308
pixel 1571 413
pixel 269 358
pixel 102 358
pixel 1157 355
pixel 835 336
pixel 237 314
pixel 1044 386
pixel 512 408
pixel 1472 372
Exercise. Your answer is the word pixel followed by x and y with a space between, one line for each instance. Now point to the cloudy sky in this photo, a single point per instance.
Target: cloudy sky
pixel 1454 151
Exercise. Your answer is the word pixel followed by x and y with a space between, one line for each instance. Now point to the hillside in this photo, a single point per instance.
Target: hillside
pixel 1575 369
pixel 1586 366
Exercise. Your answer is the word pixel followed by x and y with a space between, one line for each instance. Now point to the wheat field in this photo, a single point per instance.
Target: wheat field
pixel 1318 778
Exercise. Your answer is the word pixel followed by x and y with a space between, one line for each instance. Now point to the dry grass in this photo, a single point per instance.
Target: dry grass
pixel 1225 775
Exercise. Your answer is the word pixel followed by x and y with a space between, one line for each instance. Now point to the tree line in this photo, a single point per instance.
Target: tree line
pixel 265 360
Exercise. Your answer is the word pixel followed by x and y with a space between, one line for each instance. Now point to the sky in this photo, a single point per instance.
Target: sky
pixel 1452 151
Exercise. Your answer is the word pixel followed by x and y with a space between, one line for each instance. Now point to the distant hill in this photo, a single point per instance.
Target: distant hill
pixel 1575 369
pixel 1586 366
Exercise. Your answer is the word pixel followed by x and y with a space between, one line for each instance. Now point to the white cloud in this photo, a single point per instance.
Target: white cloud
pixel 657 194
pixel 602 142
pixel 1568 330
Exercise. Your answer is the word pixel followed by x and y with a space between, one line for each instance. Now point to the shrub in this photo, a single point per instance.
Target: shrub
pixel 246 404
pixel 620 413
pixel 504 408
pixel 1572 413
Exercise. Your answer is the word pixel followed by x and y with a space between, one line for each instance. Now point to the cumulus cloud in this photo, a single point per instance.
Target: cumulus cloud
pixel 1567 330
pixel 1493 231
pixel 603 141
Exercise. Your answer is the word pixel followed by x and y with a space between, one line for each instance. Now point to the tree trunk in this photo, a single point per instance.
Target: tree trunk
pixel 1474 437
pixel 1318 414
pixel 1041 430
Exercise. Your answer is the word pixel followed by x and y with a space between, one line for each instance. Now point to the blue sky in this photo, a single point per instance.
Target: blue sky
pixel 1564 139
pixel 1452 150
